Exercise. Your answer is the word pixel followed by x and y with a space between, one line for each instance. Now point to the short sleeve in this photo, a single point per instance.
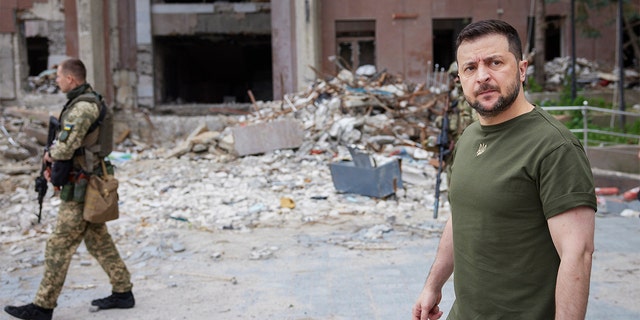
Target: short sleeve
pixel 566 180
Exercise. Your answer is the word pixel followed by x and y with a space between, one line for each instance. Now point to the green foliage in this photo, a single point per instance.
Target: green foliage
pixel 533 86
pixel 600 138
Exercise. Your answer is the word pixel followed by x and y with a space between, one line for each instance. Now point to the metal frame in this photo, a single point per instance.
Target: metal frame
pixel 585 129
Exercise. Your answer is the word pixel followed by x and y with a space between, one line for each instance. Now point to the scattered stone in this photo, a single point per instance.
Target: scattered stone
pixel 630 213
pixel 177 247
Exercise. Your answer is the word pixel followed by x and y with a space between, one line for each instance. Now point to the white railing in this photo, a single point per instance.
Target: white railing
pixel 585 121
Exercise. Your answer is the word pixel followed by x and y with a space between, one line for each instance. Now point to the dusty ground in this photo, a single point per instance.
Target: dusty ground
pixel 206 237
pixel 236 254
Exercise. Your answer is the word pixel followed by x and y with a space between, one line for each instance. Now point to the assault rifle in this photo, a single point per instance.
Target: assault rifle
pixel 444 148
pixel 41 181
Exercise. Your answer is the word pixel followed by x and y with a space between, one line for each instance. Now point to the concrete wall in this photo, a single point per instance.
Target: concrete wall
pixel 19 19
pixel 405 45
pixel 623 158
pixel 216 18
pixel 48 21
pixel 308 46
pixel 615 166
pixel 144 58
pixel 302 31
pixel 297 44
pixel 404 42
pixel 220 18
pixel 92 48
pixel 53 30
pixel 282 40
pixel 600 49
pixel 7 69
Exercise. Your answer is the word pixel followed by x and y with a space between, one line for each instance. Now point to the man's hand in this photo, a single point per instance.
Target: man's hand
pixel 426 308
pixel 46 159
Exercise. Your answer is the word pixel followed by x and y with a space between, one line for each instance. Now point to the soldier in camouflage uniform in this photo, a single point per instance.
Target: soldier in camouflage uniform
pixel 73 142
pixel 462 115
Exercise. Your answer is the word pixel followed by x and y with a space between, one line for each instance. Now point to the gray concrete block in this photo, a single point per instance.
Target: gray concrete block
pixel 268 136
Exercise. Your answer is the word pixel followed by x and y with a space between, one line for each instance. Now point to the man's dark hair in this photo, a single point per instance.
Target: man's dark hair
pixel 486 27
pixel 76 68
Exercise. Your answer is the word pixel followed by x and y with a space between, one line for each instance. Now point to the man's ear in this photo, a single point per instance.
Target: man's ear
pixel 522 65
pixel 72 80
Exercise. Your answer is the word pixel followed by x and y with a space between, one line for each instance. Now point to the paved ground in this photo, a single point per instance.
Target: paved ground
pixel 311 271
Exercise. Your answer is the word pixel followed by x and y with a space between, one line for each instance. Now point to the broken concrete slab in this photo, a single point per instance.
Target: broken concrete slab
pixel 39 115
pixel 206 138
pixel 38 133
pixel 268 136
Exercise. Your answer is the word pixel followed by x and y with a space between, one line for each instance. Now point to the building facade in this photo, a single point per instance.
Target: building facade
pixel 150 53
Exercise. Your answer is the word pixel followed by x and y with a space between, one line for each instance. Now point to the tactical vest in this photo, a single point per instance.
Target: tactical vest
pixel 99 138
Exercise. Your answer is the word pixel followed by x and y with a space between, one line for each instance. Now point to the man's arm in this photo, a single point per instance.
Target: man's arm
pixel 427 305
pixel 572 232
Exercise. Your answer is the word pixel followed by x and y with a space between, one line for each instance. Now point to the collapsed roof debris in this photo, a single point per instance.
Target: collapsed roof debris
pixel 171 185
pixel 200 183
pixel 45 81
pixel 372 109
pixel 375 111
pixel 378 111
pixel 588 74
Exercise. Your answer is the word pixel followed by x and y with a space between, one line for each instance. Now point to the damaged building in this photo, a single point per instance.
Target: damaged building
pixel 160 54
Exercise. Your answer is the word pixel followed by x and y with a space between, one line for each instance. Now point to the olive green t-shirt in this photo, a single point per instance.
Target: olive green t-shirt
pixel 506 181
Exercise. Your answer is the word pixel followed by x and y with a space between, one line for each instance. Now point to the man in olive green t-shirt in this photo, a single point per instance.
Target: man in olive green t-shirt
pixel 520 238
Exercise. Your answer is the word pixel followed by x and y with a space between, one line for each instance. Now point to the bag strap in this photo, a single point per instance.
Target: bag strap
pixel 104 168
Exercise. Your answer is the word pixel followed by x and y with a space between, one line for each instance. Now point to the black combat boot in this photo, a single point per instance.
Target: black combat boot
pixel 29 312
pixel 117 300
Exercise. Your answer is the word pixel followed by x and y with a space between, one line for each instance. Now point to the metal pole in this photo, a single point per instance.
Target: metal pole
pixel 621 64
pixel 573 51
pixel 585 128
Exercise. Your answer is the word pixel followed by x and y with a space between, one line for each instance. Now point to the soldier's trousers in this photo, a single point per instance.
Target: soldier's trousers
pixel 70 230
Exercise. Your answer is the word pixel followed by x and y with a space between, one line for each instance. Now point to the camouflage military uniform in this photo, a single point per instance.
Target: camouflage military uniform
pixel 71 228
pixel 462 115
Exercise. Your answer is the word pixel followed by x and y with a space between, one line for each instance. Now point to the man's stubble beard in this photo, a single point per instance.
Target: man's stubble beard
pixel 503 103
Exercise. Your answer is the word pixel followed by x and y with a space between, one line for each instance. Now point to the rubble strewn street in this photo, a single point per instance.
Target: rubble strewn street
pixel 208 234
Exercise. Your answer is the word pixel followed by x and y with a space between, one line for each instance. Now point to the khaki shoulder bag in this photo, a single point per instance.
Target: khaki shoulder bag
pixel 101 199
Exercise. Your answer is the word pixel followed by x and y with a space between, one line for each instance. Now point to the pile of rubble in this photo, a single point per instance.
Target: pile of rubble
pixel 588 74
pixel 377 111
pixel 204 181
pixel 267 168
pixel 373 109
pixel 44 82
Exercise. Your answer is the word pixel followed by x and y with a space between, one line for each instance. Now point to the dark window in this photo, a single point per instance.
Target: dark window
pixel 37 54
pixel 213 69
pixel 445 32
pixel 356 42
pixel 553 37
pixel 629 57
